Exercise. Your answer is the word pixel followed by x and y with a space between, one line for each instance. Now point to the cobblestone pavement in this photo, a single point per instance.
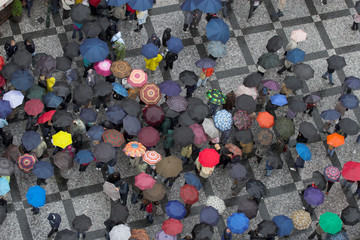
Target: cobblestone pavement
pixel 329 33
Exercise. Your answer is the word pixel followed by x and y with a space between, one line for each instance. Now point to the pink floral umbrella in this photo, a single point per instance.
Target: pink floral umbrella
pixel 103 67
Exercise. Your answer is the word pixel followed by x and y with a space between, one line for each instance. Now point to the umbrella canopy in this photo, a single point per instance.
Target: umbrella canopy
pixel 238 223
pixel 52 101
pixel 279 100
pixel 82 94
pixel 216 49
pixel 285 127
pixel 217 203
pixel 177 103
pixel 88 115
pixel 84 157
pixel 349 101
pixel 47 116
pixel 66 234
pixel 134 149
pixel 209 128
pixel 139 234
pixel 82 223
pixel 161 235
pixel 111 191
pixel 63 63
pixel 91 29
pixel 217 30
pixel 298 35
pixel 22 58
pixel 63 160
pixel 148 136
pixel 188 5
pixel 4 187
pixel 120 232
pixel 175 209
pixel 352 82
pixel 200 135
pixel 95 133
pixel 223 120
pixel 295 55
pixel 114 137
pixel 256 188
pixel 212 6
pixel 209 157
pixel 62 139
pixel 246 103
pixel 30 140
pixel 149 50
pixel 187 77
pixel 62 118
pixel 238 172
pixel 131 107
pixel 119 212
pixel 150 93
pixel 116 3
pixel 115 114
pixel 303 151
pixel 330 223
pixel 131 125
pixel 293 83
pixel 151 157
pixel 351 171
pixel 314 196
pixel 137 78
pixel 3 123
pixel 120 69
pixel 140 5
pixel 349 126
pixel 332 173
pixel 80 13
pixel 144 181
pixel 205 63
pixel 169 167
pixel 183 136
pixel 119 89
pixel 301 219
pixel 304 71
pixel 284 224
pixel 242 120
pixel 319 180
pixel 198 111
pixel 330 115
pixel 350 215
pixel 8 70
pixel 172 226
pixel 22 80
pixel 336 62
pixel 43 169
pixel 156 193
pixel 312 98
pixel 234 149
pixel 252 80
pixel 102 88
pixel 6 167
pixel 170 88
pixel 189 194
pixel 61 89
pixel 93 49
pixel 36 196
pixel 104 152
pixel 103 67
pixel 265 119
pixel 244 136
pixel 335 140
pixel 267 228
pixel 268 61
pixel 174 45
pixel 308 130
pixel 274 159
pixel 71 49
pixel 202 231
pixel 248 207
pixel 36 92
pixel 271 84
pixel 216 97
pixel 242 89
pixel 193 180
pixel 14 97
pixel 275 43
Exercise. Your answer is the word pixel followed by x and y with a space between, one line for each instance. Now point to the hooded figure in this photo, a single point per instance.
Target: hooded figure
pixel 166 36
pixel 118 46
pixel 155 40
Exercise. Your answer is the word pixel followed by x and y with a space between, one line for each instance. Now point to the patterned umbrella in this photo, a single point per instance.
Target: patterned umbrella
pixel 149 136
pixel 189 194
pixel 114 137
pixel 265 119
pixel 151 157
pixel 120 69
pixel 242 89
pixel 223 120
pixel 242 120
pixel 216 97
pixel 150 93
pixel 177 103
pixel 217 203
pixel 200 135
pixel 172 226
pixel 103 67
pixel 137 78
pixel 169 167
pixel 265 137
pixel 234 149
pixel 144 181
pixel 335 139
pixel 26 162
pixel 332 173
pixel 301 219
pixel 62 139
pixel 134 149
pixel 139 234
pixel 63 160
pixel 342 235
pixel 33 107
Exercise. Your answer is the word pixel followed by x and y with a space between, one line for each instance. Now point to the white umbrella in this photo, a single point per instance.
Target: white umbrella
pixel 298 35
pixel 15 98
pixel 210 129
pixel 120 232
pixel 111 191
pixel 217 203
pixel 245 90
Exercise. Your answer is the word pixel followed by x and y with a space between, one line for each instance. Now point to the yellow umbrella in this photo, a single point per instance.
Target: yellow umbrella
pixel 62 139
pixel 301 219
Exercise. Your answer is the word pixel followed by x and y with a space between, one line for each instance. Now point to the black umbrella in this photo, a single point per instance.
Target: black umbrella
pixel 238 172
pixel 246 103
pixel 104 23
pixel 349 126
pixel 244 136
pixel 194 100
pixel 80 13
pixel 63 63
pixel 188 77
pixel 119 213
pixel 82 94
pixel 46 64
pixel 104 152
pixel 297 105
pixel 350 215
pixel 357 7
pixel 91 29
pixel 274 43
pixel 82 223
pixel 256 188
pixel 185 119
pixel 22 58
pixel 308 130
pixel 253 80
pixel 102 88
pixel 183 136
pixel 319 180
pixel 248 207
pixel 2 214
pixel 202 231
pixel 61 89
pixel 62 118
pixel 198 112
pixel 269 60
pixel 303 71
pixel 8 70
pixel 168 112
pixel 293 83
pixel 88 115
pixel 336 62
pixel 115 114
pixel 131 107
pixel 267 228
pixel 71 50
pixel 66 234
pixel 274 159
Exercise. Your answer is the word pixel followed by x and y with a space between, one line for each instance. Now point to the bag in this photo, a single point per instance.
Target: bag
pixel 202 75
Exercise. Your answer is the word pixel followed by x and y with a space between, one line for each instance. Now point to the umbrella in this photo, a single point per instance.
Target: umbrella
pixel 140 5
pixel 116 3
pixel 308 130
pixel 22 58
pixel 183 136
pixel 189 194
pixel 314 196
pixel 22 80
pixel 47 116
pixel 137 78
pixel 285 127
pixel 247 91
pixel 246 103
pixel 71 49
pixel 274 159
pixel 103 67
pixel 198 111
pixel 134 149
pixel 312 98
pixel 349 101
pixel 217 203
pixel 111 191
pixel 216 49
pixel 84 157
pixel 202 231
pixel 144 181
pixel 216 97
pixel 268 60
pixel 188 77
pixel 234 149
pixel 120 232
pixel 217 30
pixel 274 44
pixel 205 63
pixel 336 62
pixel 36 92
pixel 212 6
pixel 88 115
pixel 330 115
pixel 63 63
pixel 151 157
pixel 82 94
pixel 30 140
pixel 9 69
pixel 238 172
pixel 351 171
pixel 6 167
pixel 295 55
pixel 248 207
pixel 161 235
pixel 63 160
pixel 94 49
pixel 303 151
pixel 332 173
pixel 82 223
pixel 245 136
pixel 150 93
pixel 80 13
pixel 114 137
pixel 61 89
pixel 188 5
pixel 335 140
pixel 148 136
pixel 242 120
pixel 267 228
pixel 349 126
pixel 62 118
pixel 172 226
pixel 177 103
pixel 200 135
pixel 131 125
pixel 102 88
pixel 209 128
pixel 284 224
pixel 279 100
pixel 156 193
pixel 265 119
pixel 43 169
pixel 175 209
pixel 169 167
pixel 66 234
pixel 293 83
pixel 149 50
pixel 95 133
pixel 209 157
pixel 301 219
pixel 330 223
pixel 104 152
pixel 170 88
pixel 319 180
pixel 298 35
pixel 271 84
pixel 62 139
pixel 256 188
pixel 4 186
pixel 52 101
pixel 115 114
pixel 238 223
pixel 185 119
pixel 131 107
pixel 352 82
pixel 36 196
pixel 342 235
pixel 14 97
pixel 118 213
pixel 139 234
pixel 46 64
pixel 118 88
pixel 223 120
pixel 350 215
pixel 193 180
pixel 174 45
pixel 91 29
pixel 120 69
pixel 304 71
pixel 252 80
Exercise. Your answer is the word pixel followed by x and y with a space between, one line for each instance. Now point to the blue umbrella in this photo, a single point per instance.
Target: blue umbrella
pixel 205 63
pixel 209 215
pixel 284 224
pixel 175 209
pixel 3 123
pixel 303 151
pixel 5 109
pixel 94 50
pixel 116 3
pixel 4 186
pixel 313 196
pixel 36 196
pixel 188 5
pixel 118 88
pixel 217 49
pixel 295 55
pixel 51 100
pixel 43 169
pixel 330 115
pixel 88 115
pixel 115 114
pixel 95 133
pixel 84 156
pixel 342 235
pixel 170 88
pixel 140 5
pixel 352 82
pixel 193 180
pixel 279 99
pixel 149 50
pixel 223 120
pixel 22 80
pixel 238 223
pixel 30 140
pixel 208 6
pixel 217 30
pixel 174 45
pixel 349 101
pixel 131 125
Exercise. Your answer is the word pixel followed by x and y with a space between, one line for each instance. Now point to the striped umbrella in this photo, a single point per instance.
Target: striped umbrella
pixel 134 149
pixel 26 162
pixel 63 160
pixel 120 69
pixel 152 157
pixel 332 173
pixel 113 137
pixel 150 93
pixel 33 107
pixel 301 219
pixel 137 78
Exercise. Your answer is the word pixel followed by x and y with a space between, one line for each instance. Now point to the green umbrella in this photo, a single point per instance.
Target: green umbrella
pixel 269 60
pixel 285 127
pixel 36 92
pixel 330 223
pixel 216 97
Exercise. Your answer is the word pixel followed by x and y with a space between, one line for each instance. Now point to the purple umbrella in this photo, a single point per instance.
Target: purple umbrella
pixel 209 215
pixel 177 103
pixel 131 125
pixel 163 236
pixel 313 196
pixel 271 84
pixel 170 88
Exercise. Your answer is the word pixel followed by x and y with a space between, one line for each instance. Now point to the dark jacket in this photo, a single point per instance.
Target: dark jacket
pixel 330 70
pixel 169 139
pixel 124 187
pixel 155 40
pixel 10 50
pixel 112 178
pixel 31 47
pixel 171 57
pixel 166 36
pixel 54 220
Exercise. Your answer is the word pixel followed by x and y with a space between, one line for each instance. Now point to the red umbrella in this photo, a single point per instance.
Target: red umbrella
pixel 2 81
pixel 189 194
pixel 200 135
pixel 46 117
pixel 144 181
pixel 209 157
pixel 351 171
pixel 26 162
pixel 150 93
pixel 172 226
pixel 265 120
pixel 148 136
pixel 33 107
pixel 153 115
pixel 94 3
pixel 113 137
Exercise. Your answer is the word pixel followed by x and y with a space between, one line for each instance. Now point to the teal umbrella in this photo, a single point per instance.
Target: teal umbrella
pixel 269 60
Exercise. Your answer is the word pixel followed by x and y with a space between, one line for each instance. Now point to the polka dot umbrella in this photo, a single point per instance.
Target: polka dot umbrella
pixel 137 78
pixel 33 107
pixel 26 162
pixel 332 173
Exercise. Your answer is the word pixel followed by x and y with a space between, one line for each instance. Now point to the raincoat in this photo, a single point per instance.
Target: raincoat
pixel 205 172
pixel 142 15
pixel 152 63
pixel 50 83
pixel 118 45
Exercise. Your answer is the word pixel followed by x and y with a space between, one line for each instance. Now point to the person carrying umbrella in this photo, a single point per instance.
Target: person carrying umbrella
pixel 197 14
pixel 77 29
pixel 118 47
pixel 334 63
pixel 355 26
pixel 226 235
pixel 318 232
pixel 205 74
pixel 153 63
pixel 141 19
pixel 54 221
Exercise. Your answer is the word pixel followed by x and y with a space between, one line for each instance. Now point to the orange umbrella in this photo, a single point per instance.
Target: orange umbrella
pixel 265 119
pixel 335 140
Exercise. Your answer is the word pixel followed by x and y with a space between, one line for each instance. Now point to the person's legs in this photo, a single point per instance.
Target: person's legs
pixel 167 152
pixel 329 186
pixel 203 82
pixel 353 26
pixel 312 235
pixel 331 152
pixel 283 69
pixel 348 185
pixel 330 79
pixel 268 172
pixel 123 198
pixel 185 160
pixel 324 76
pixel 80 35
pixel 111 169
pixel 73 34
pixel 185 26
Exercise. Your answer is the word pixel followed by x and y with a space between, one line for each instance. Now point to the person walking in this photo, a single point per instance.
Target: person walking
pixel 299 163
pixel 170 58
pixel 155 40
pixel 153 63
pixel 186 154
pixel 253 6
pixel 357 192
pixel 190 89
pixel 54 221
pixel 226 235
pixel 329 185
pixel 189 17
pixel 318 232
pixel 29 4
pixel 280 7
pixel 123 190
pixel 204 76
pixel 166 36
pixel 197 14
pixel 66 5
pixel 77 29
pixel 328 74
pixel 151 212
pixel 355 26
pixel 30 46
pixel 10 48
pixel 141 18
pixel 169 142
pixel 118 47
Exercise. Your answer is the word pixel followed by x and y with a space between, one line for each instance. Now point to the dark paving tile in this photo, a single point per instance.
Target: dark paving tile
pixel 257 29
pixel 231 72
pixel 347 49
pixel 332 15
pixel 324 36
pixel 311 7
pixel 57 20
pixel 245 50
pixel 24 224
pixel 164 9
pixel 296 21
pixel 85 190
pixel 42 33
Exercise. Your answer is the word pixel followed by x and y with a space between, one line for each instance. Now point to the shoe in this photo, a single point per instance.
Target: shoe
pixel 280 13
pixel 136 30
pixel 80 39
pixel 331 83
pixel 327 193
pixel 324 77
pixel 292 169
